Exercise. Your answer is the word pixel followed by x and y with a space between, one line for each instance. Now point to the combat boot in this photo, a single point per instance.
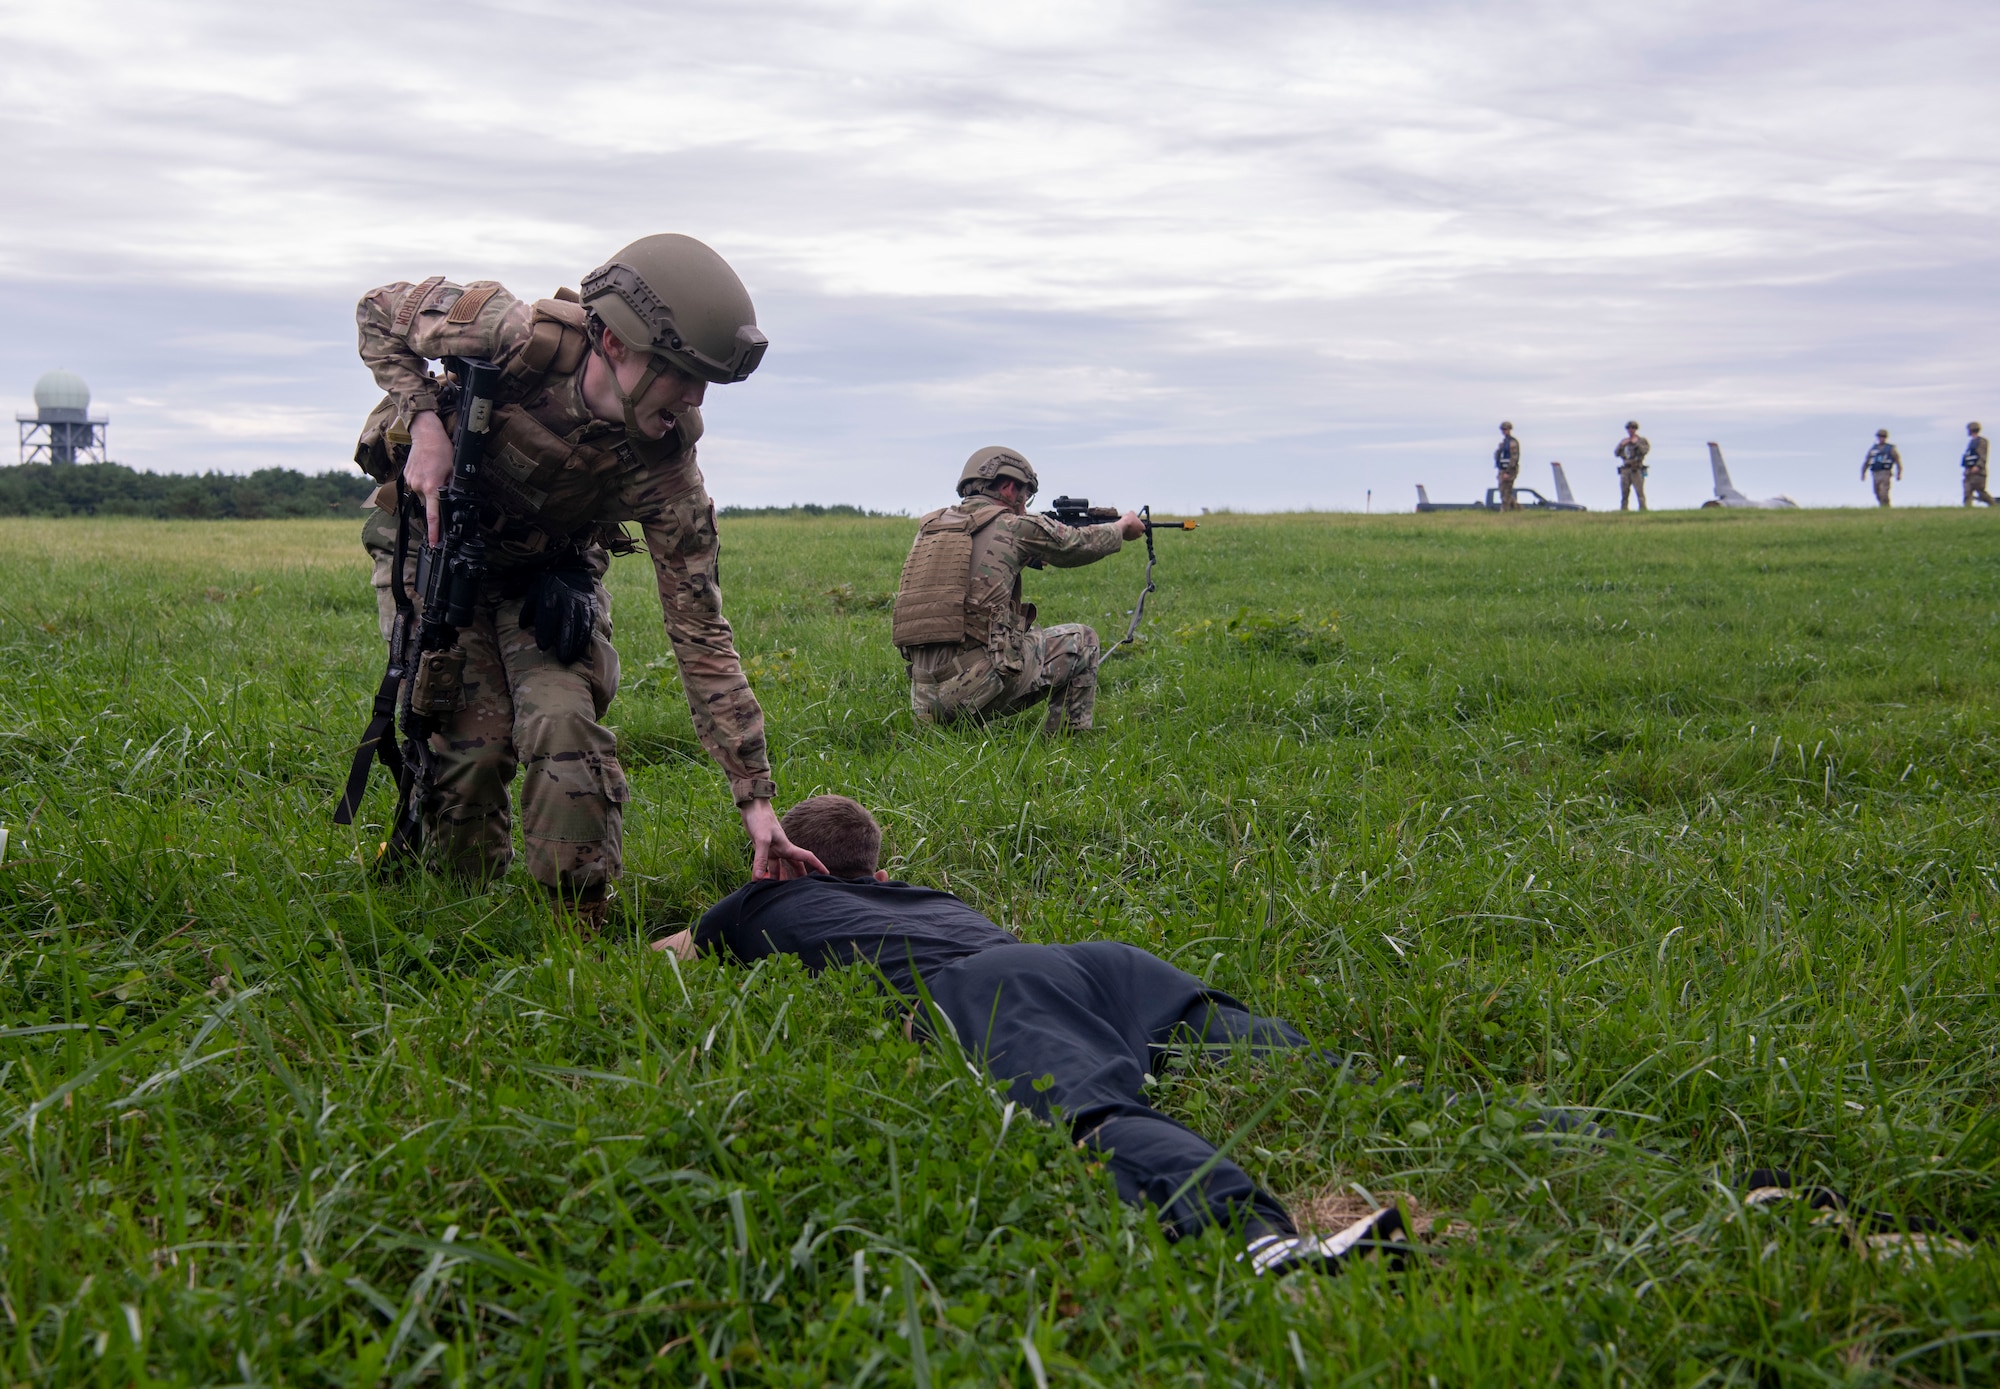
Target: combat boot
pixel 584 911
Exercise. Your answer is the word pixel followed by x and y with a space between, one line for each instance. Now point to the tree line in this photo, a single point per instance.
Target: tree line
pixel 112 489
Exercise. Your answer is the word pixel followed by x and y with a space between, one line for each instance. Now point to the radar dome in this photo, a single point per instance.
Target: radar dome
pixel 62 390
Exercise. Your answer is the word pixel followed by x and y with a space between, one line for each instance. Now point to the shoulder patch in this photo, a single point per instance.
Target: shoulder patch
pixel 470 303
pixel 414 300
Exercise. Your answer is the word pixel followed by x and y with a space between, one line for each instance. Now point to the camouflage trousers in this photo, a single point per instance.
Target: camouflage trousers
pixel 1058 664
pixel 1631 478
pixel 1975 486
pixel 1506 484
pixel 524 712
pixel 1880 477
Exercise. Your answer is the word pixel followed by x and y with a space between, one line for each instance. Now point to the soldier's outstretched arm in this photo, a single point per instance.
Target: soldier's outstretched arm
pixel 673 508
pixel 1065 547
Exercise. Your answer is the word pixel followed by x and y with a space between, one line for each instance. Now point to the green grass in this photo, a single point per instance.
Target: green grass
pixel 1690 817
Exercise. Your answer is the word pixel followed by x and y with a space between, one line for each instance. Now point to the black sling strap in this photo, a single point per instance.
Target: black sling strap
pixel 379 739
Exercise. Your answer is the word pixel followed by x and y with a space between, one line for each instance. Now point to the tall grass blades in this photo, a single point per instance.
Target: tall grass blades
pixel 1687 819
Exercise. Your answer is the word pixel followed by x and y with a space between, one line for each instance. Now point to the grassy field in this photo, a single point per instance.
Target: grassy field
pixel 1689 817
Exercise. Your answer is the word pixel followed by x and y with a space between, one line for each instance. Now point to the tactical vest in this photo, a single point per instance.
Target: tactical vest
pixel 1508 455
pixel 547 491
pixel 934 600
pixel 1881 458
pixel 1975 454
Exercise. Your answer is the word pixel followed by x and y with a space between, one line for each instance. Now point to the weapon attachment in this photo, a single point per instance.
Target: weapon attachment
pixel 426 661
pixel 1077 511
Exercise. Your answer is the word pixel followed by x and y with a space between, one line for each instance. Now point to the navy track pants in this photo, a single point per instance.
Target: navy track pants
pixel 1096 1017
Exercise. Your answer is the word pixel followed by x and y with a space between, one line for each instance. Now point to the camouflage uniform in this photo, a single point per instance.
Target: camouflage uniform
pixel 1507 467
pixel 1974 465
pixel 1012 666
pixel 1631 454
pixel 1882 462
pixel 522 704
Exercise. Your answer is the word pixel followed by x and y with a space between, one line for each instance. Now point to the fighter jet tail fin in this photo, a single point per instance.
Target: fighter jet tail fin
pixel 1563 494
pixel 1423 497
pixel 1725 490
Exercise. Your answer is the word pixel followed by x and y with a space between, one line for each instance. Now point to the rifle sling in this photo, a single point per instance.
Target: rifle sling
pixel 377 740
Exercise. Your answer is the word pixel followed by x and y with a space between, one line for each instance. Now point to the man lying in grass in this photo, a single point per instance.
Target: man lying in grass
pixel 1071 1030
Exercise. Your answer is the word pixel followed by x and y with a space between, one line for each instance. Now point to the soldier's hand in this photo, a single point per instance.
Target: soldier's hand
pixel 680 945
pixel 429 468
pixel 1130 526
pixel 773 855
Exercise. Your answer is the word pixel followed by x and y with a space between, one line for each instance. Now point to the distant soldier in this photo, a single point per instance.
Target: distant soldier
pixel 1631 455
pixel 971 643
pixel 1507 466
pixel 1974 465
pixel 1880 462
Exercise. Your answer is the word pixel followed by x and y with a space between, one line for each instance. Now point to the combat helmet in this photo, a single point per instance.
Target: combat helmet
pixel 1881 433
pixel 1972 428
pixel 989 465
pixel 1631 424
pixel 673 297
pixel 1506 424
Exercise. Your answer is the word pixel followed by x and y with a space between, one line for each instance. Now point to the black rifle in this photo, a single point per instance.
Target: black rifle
pixel 426 662
pixel 1077 511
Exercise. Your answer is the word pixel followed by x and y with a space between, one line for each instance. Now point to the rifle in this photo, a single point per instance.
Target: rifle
pixel 425 651
pixel 1077 511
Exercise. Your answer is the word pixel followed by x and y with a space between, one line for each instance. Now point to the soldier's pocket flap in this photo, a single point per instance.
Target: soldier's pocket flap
pixel 611 778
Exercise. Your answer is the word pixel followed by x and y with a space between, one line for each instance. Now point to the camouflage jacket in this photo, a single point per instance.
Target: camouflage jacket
pixel 1001 549
pixel 608 480
pixel 1632 451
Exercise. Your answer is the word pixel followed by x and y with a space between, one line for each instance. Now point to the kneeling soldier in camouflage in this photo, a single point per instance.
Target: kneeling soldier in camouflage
pixel 971 642
pixel 598 414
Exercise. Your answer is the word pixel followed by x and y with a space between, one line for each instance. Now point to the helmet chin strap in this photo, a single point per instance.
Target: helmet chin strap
pixel 628 401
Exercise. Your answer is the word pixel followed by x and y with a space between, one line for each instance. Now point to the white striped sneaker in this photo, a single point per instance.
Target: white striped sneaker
pixel 1372 1234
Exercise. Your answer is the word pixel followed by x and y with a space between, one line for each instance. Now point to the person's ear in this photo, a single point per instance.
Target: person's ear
pixel 881 875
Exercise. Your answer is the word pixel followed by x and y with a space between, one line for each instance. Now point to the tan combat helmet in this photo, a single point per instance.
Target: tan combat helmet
pixel 992 464
pixel 673 297
pixel 1881 433
pixel 1507 424
pixel 1631 424
pixel 1972 428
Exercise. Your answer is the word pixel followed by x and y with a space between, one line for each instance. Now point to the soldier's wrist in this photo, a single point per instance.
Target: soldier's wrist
pixel 747 791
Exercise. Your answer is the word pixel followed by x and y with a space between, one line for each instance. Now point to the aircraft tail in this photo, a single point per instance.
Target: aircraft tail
pixel 1423 497
pixel 1725 490
pixel 1563 494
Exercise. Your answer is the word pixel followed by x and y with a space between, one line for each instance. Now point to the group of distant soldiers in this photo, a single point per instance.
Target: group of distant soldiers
pixel 1631 454
pixel 1882 464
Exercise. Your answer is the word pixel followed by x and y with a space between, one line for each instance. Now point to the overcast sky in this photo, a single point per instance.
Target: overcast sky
pixel 1251 255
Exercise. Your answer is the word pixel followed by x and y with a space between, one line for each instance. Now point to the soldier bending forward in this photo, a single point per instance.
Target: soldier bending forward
pixel 972 645
pixel 597 422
